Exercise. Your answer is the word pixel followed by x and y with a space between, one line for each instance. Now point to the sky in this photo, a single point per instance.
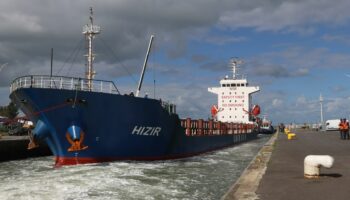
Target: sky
pixel 294 50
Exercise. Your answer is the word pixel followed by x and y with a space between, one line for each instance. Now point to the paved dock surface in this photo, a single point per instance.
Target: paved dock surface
pixel 284 176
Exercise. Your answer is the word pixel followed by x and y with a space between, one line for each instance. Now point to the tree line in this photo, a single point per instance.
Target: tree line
pixel 10 111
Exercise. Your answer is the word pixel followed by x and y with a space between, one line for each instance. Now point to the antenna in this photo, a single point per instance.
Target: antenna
pixel 51 62
pixel 90 30
pixel 144 66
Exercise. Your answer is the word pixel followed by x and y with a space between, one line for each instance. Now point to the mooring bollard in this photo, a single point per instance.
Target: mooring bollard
pixel 313 163
pixel 291 136
pixel 286 131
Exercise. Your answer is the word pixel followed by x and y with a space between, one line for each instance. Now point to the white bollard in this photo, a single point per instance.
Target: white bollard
pixel 312 164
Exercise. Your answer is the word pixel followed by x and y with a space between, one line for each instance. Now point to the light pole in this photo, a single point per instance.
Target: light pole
pixel 321 105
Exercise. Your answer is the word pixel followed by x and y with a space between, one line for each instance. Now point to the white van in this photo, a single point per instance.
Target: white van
pixel 332 124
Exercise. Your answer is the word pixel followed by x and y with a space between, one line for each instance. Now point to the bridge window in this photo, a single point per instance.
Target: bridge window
pixel 242 84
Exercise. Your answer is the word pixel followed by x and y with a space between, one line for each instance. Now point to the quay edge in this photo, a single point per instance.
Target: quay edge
pixel 246 186
pixel 15 147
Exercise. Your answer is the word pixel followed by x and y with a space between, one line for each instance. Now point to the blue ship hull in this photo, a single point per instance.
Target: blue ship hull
pixel 115 127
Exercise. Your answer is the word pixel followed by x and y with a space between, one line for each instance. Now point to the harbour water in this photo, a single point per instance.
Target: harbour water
pixel 207 176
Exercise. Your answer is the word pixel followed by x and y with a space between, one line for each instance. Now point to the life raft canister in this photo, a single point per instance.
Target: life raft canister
pixel 214 110
pixel 256 110
pixel 75 136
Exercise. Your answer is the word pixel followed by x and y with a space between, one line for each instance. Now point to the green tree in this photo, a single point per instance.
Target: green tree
pixel 10 111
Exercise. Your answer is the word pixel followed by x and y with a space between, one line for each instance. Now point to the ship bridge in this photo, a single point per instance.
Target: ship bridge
pixel 234 97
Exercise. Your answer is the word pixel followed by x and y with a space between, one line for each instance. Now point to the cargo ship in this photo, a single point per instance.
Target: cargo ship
pixel 84 120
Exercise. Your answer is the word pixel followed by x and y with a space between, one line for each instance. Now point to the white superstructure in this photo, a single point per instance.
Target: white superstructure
pixel 234 96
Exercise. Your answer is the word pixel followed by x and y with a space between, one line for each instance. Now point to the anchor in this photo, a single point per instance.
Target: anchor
pixel 75 136
pixel 32 141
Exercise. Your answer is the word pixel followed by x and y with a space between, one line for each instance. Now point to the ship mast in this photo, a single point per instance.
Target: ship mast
pixel 234 64
pixel 90 30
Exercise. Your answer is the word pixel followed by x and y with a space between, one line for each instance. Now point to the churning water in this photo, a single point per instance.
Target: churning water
pixel 207 176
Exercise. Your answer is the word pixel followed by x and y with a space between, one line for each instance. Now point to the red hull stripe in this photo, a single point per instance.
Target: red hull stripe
pixel 60 161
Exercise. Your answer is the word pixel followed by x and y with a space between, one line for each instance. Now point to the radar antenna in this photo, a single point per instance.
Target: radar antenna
pixel 234 62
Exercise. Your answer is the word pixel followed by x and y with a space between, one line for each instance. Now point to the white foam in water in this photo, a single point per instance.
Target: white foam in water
pixel 203 177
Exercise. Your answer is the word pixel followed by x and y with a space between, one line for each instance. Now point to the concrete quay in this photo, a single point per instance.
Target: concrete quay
pixel 15 147
pixel 277 172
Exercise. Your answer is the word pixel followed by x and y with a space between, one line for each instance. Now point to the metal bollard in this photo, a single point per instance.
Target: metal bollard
pixel 313 163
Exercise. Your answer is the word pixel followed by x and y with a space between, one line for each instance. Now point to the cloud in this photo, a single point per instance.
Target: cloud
pixel 19 22
pixel 215 66
pixel 295 61
pixel 199 58
pixel 278 71
pixel 223 39
pixel 277 103
pixel 336 38
pixel 284 15
pixel 29 29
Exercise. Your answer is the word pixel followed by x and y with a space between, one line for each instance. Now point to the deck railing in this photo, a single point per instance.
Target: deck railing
pixel 67 83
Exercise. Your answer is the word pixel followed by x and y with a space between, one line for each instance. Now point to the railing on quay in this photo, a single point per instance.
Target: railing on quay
pixel 67 83
pixel 211 127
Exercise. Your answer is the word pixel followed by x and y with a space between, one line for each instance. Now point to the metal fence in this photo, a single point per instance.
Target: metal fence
pixel 67 83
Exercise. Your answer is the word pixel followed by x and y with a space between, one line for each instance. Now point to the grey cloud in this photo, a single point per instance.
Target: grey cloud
pixel 29 29
pixel 223 39
pixel 278 71
pixel 278 15
pixel 215 66
pixel 336 38
pixel 199 58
